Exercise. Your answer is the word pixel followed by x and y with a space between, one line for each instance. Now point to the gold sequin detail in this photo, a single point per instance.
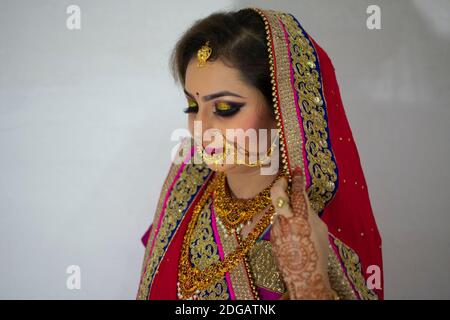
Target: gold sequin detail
pixel 307 87
pixel 190 181
pixel 338 281
pixel 264 268
pixel 321 164
pixel 238 276
pixel 204 253
pixel 354 271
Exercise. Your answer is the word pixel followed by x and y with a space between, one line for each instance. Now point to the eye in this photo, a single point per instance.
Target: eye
pixel 227 109
pixel 192 106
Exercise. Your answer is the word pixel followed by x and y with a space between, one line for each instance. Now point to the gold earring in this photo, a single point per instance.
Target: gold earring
pixel 203 54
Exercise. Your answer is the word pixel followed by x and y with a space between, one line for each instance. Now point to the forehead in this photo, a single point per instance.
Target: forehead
pixel 214 76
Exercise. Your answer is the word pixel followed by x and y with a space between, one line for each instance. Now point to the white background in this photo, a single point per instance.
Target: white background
pixel 86 117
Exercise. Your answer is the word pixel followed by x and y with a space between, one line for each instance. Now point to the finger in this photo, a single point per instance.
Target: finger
pixel 280 229
pixel 299 198
pixel 280 198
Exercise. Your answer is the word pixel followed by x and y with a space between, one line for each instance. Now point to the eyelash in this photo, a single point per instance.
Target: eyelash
pixel 235 107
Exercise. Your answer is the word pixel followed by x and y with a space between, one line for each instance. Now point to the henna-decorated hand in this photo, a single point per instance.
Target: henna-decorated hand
pixel 300 242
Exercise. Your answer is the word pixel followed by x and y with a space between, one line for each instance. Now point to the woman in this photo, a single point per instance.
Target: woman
pixel 229 229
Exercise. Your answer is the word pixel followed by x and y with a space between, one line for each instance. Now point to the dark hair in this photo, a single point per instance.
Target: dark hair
pixel 237 38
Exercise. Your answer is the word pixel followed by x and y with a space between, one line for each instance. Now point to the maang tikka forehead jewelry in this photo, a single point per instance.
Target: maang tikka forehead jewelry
pixel 203 54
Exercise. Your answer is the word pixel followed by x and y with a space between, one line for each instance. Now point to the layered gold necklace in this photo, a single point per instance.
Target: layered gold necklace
pixel 233 214
pixel 192 280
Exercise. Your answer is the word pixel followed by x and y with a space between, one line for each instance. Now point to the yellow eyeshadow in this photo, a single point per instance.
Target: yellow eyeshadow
pixel 223 106
pixel 192 104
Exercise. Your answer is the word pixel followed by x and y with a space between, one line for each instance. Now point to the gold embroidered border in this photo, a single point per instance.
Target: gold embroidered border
pixel 338 280
pixel 307 83
pixel 190 181
pixel 143 288
pixel 354 270
pixel 205 252
pixel 169 178
pixel 238 276
pixel 321 164
pixel 174 168
pixel 286 103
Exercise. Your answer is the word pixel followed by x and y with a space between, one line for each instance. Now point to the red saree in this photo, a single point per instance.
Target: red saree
pixel 317 137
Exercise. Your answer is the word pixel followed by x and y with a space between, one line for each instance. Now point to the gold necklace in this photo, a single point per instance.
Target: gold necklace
pixel 192 280
pixel 220 158
pixel 233 214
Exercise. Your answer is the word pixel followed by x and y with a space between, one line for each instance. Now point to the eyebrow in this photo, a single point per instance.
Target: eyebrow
pixel 215 95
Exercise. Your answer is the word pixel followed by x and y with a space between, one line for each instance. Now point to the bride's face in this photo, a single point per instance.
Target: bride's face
pixel 219 98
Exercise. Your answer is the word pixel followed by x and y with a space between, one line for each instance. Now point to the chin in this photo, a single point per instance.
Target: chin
pixel 221 167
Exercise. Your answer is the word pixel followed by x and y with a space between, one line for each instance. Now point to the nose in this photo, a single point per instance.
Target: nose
pixel 204 117
pixel 200 124
pixel 211 135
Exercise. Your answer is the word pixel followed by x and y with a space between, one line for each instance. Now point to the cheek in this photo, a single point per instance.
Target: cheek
pixel 255 118
pixel 246 125
pixel 266 118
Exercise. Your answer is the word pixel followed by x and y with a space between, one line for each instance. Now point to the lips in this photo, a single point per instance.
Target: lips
pixel 212 150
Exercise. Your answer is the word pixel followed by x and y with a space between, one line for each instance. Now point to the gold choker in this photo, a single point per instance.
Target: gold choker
pixel 233 214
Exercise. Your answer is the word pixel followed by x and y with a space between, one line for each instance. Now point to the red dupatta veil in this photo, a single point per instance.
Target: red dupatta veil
pixel 315 135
